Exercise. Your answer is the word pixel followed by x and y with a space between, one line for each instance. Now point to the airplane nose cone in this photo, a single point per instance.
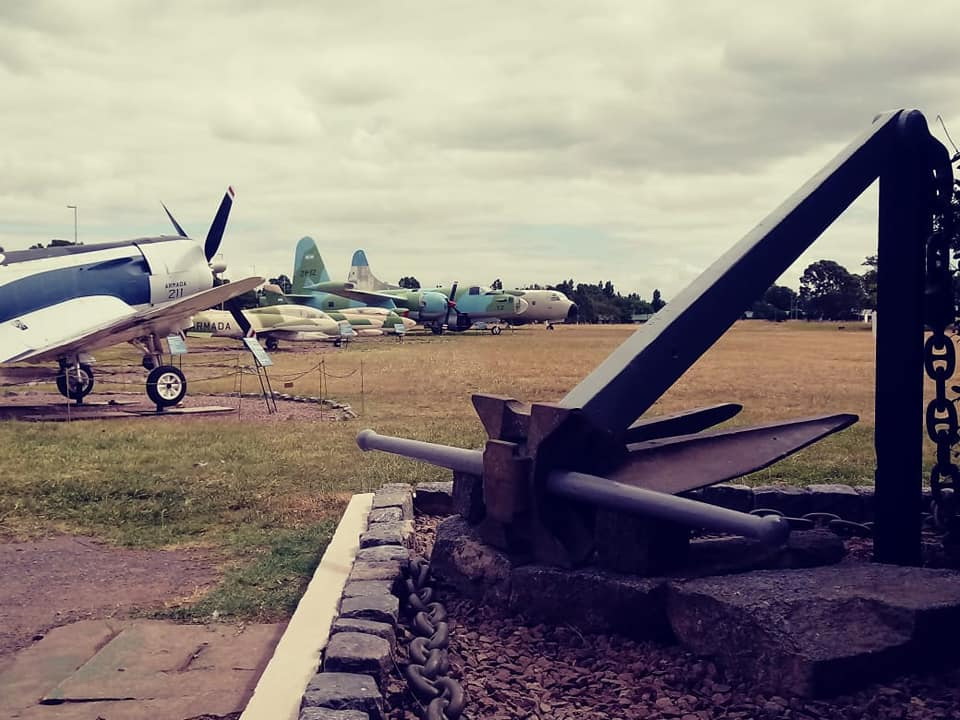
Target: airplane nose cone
pixel 522 305
pixel 573 313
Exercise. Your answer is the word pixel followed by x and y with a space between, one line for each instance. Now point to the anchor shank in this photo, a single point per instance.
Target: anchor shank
pixel 638 372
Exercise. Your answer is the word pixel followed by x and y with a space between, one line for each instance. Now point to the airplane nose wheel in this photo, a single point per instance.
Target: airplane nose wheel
pixel 166 386
pixel 75 383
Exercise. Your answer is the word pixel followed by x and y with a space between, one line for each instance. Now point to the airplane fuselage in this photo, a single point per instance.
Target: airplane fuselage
pixel 142 273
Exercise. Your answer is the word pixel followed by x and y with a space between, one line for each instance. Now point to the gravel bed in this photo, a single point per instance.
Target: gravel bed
pixel 512 670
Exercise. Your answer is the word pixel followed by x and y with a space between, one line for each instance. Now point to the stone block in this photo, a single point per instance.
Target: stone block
pixel 344 691
pixel 388 533
pixel 462 560
pixel 381 608
pixel 384 515
pixel 318 713
pixel 838 499
pixel 389 570
pixel 820 631
pixel 721 556
pixel 384 553
pixel 371 627
pixel 354 652
pixel 639 545
pixel 468 497
pixel 866 501
pixel 730 496
pixel 434 498
pixel 357 588
pixel 592 600
pixel 790 500
pixel 402 499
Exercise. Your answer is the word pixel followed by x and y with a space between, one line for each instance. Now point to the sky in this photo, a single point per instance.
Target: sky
pixel 533 141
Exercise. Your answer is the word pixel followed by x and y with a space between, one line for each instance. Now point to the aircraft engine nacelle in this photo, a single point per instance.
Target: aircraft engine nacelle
pixel 433 305
pixel 178 269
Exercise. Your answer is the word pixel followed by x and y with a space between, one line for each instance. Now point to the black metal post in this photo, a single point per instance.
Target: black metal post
pixel 903 220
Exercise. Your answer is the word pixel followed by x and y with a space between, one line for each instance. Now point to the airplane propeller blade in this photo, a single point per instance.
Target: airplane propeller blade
pixel 451 304
pixel 233 305
pixel 180 230
pixel 215 234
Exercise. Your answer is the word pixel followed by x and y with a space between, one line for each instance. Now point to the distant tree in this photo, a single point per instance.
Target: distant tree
pixel 496 285
pixel 657 302
pixel 283 282
pixel 829 291
pixel 55 242
pixel 869 281
pixel 409 282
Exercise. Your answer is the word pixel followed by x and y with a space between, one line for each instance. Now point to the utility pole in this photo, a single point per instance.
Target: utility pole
pixel 74 208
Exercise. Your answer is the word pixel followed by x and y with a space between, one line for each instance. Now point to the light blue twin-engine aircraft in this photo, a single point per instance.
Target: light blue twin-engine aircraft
pixel 58 304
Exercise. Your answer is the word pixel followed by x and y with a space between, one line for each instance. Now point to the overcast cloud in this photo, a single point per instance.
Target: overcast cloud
pixel 532 141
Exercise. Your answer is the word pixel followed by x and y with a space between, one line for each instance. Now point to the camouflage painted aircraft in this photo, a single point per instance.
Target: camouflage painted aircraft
pixel 434 308
pixel 295 323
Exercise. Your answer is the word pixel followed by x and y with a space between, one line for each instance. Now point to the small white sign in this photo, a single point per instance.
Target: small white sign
pixel 177 345
pixel 399 328
pixel 259 354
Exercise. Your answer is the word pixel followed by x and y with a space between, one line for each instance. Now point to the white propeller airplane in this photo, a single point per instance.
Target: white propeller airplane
pixel 58 304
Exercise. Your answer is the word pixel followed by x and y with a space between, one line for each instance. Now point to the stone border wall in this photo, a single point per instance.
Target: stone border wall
pixel 360 654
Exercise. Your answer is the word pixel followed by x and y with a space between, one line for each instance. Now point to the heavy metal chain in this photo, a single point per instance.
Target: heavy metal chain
pixel 940 359
pixel 427 673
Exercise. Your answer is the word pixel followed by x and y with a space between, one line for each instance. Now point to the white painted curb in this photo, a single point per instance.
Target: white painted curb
pixel 296 657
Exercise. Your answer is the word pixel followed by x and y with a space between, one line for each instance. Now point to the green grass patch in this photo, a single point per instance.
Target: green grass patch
pixel 269 585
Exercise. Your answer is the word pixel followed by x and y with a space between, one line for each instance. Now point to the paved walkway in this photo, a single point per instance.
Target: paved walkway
pixel 136 670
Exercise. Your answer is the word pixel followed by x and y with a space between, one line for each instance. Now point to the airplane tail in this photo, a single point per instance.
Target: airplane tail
pixel 308 267
pixel 362 277
pixel 272 295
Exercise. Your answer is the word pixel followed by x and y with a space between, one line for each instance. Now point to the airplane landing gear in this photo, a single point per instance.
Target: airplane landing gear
pixel 437 329
pixel 272 344
pixel 496 330
pixel 76 382
pixel 166 386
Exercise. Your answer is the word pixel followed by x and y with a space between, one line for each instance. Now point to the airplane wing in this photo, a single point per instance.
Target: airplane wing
pixel 87 323
pixel 369 297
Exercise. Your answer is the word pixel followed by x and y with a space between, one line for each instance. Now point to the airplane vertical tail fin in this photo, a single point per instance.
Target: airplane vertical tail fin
pixel 308 267
pixel 362 277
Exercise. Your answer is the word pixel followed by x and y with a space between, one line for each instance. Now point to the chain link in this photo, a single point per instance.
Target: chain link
pixel 940 358
pixel 427 673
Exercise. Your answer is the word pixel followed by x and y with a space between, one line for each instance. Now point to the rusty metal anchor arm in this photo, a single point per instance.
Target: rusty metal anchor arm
pixel 686 422
pixel 688 462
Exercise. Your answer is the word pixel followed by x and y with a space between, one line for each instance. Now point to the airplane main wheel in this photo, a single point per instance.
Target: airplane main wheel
pixel 166 386
pixel 272 344
pixel 76 382
pixel 437 329
pixel 496 330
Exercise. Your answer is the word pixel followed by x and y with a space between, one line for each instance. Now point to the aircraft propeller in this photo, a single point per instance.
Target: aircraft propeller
pixel 451 304
pixel 217 227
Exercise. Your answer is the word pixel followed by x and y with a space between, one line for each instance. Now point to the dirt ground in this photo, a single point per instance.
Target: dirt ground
pixel 59 580
pixel 40 406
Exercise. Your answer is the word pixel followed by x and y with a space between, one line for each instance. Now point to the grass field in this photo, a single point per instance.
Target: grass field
pixel 264 495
